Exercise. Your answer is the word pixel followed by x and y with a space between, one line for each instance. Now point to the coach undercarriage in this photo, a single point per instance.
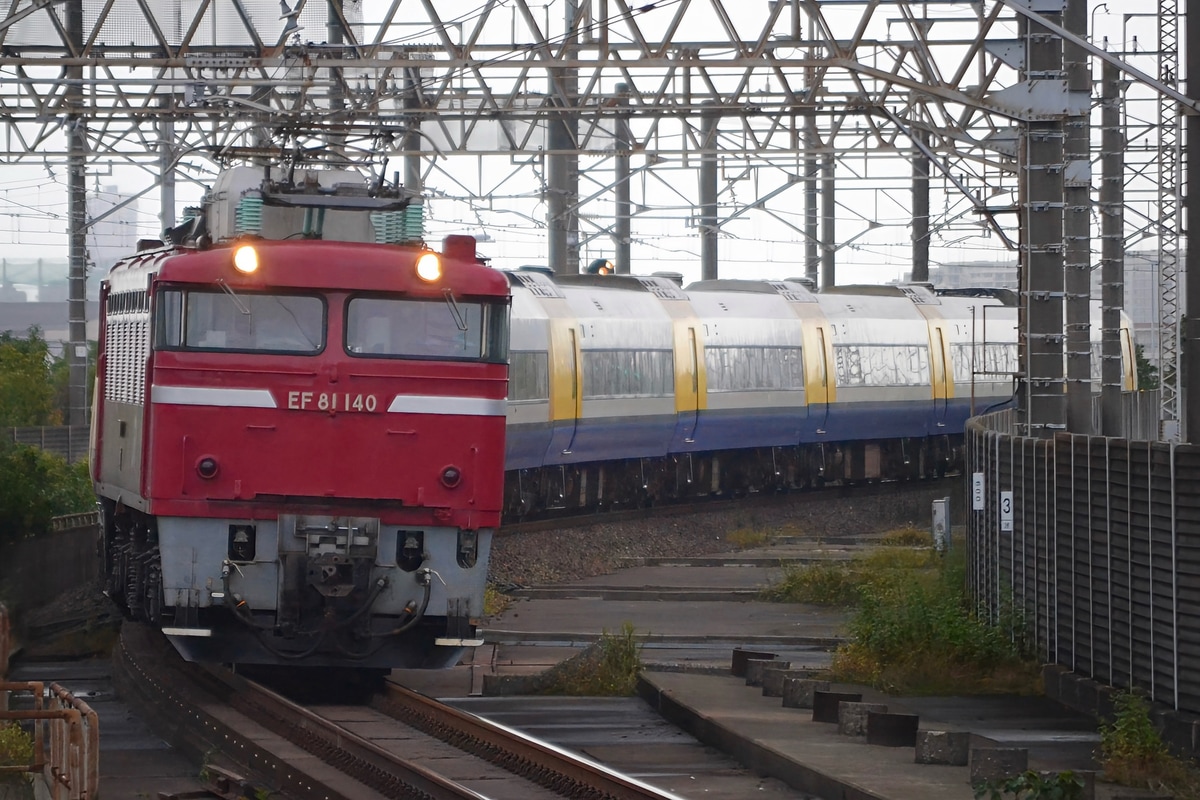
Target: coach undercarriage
pixel 645 481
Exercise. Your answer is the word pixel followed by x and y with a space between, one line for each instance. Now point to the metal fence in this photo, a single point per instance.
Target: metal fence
pixel 1096 553
pixel 66 739
pixel 68 441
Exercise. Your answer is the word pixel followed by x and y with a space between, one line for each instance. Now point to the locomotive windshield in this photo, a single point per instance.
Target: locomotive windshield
pixel 245 322
pixel 427 328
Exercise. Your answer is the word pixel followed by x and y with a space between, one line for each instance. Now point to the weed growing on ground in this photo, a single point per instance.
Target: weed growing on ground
pixel 1132 753
pixel 912 630
pixel 1031 785
pixel 494 601
pixel 833 583
pixel 840 583
pixel 16 745
pixel 16 750
pixel 745 538
pixel 908 536
pixel 609 668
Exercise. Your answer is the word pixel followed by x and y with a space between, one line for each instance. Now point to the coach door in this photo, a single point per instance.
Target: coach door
pixel 819 390
pixel 687 387
pixel 566 389
pixel 939 362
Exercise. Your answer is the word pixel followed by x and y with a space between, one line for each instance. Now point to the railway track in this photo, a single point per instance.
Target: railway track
pixel 403 745
pixel 556 519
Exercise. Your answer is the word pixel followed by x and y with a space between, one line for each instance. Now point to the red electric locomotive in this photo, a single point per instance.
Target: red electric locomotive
pixel 298 439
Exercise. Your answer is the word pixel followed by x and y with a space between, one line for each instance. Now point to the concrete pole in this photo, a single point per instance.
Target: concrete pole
pixel 812 140
pixel 77 350
pixel 812 231
pixel 562 163
pixel 414 182
pixel 166 164
pixel 1042 402
pixel 623 224
pixel 337 95
pixel 708 196
pixel 1112 248
pixel 1190 375
pixel 1077 225
pixel 920 209
pixel 828 221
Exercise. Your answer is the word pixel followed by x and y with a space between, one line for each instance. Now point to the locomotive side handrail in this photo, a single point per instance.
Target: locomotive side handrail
pixel 71 768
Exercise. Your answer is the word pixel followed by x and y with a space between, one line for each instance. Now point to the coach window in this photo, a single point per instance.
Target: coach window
pixel 427 328
pixel 243 322
pixel 528 376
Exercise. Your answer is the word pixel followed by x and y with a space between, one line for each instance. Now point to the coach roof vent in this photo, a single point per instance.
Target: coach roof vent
pixel 1006 296
pixel 538 280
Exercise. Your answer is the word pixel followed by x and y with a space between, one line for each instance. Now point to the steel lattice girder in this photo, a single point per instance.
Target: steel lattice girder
pixel 853 78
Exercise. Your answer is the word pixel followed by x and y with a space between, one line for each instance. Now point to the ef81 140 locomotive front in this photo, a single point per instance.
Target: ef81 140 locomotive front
pixel 298 440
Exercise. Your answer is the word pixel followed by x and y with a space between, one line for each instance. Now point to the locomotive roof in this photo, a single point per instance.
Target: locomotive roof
pixel 304 264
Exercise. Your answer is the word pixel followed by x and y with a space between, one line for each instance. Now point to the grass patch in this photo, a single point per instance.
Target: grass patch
pixel 608 668
pixel 913 633
pixel 745 538
pixel 912 630
pixel 908 536
pixel 833 583
pixel 841 582
pixel 1132 753
pixel 495 601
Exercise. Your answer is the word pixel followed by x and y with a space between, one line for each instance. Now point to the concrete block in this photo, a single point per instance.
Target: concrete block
pixel 891 729
pixel 852 717
pixel 996 763
pixel 1052 675
pixel 1087 694
pixel 798 692
pixel 772 677
pixel 754 670
pixel 825 704
pixel 740 657
pixel 943 747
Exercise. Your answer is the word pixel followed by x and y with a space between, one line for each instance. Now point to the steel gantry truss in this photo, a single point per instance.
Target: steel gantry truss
pixel 577 116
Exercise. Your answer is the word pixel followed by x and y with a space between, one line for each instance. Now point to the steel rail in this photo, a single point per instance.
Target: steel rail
pixel 565 772
pixel 358 757
pixel 188 706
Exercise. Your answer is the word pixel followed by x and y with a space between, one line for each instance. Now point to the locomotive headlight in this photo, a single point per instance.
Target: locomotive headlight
pixel 245 259
pixel 451 477
pixel 207 467
pixel 429 267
